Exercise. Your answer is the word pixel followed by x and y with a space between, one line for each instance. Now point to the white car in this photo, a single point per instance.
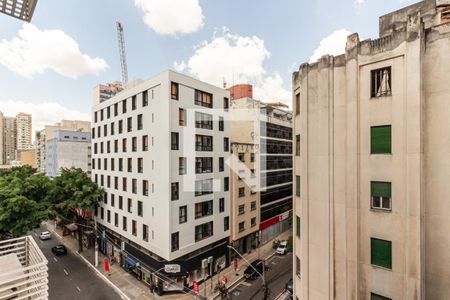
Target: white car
pixel 45 235
pixel 282 248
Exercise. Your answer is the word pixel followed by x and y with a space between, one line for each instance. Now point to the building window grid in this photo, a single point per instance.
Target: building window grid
pixel 203 99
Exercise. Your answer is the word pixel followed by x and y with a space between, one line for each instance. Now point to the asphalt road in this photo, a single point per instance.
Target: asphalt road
pixel 69 277
pixel 280 271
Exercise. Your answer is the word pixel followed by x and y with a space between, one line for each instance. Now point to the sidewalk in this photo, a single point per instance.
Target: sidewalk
pixel 131 288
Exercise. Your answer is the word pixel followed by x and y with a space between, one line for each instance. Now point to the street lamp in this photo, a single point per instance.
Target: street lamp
pixel 263 275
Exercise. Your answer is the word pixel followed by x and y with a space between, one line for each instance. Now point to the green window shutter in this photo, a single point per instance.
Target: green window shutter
pixel 380 189
pixel 380 139
pixel 297 145
pixel 298 226
pixel 374 296
pixel 381 253
pixel 297 186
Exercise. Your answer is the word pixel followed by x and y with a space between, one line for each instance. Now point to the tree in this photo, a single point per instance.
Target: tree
pixel 24 201
pixel 73 190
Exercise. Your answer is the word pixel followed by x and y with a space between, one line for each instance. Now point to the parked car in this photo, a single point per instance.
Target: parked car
pixel 250 272
pixel 45 235
pixel 289 285
pixel 282 248
pixel 59 250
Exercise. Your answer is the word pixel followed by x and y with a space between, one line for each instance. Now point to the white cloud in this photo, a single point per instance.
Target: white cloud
pixel 34 51
pixel 359 3
pixel 171 17
pixel 235 59
pixel 334 44
pixel 45 113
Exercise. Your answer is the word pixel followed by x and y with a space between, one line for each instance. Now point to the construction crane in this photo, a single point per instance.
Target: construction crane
pixel 123 59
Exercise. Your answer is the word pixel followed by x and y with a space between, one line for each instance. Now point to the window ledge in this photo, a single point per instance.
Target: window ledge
pixel 380 267
pixel 380 210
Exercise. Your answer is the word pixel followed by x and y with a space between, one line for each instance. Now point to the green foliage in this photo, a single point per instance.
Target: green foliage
pixel 27 199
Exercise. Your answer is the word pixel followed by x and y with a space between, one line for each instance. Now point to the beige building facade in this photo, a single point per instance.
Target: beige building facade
pixel 9 132
pixel 24 129
pixel 372 167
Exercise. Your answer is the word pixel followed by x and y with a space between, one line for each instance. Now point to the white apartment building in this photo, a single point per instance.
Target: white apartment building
pixel 23 127
pixel 160 151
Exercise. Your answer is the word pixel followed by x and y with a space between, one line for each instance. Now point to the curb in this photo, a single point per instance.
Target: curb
pixel 103 277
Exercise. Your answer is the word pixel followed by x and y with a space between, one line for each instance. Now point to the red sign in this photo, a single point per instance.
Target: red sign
pixel 274 220
pixel 196 287
pixel 106 265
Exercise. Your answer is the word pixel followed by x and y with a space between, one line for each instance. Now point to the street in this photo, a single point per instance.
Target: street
pixel 69 277
pixel 280 271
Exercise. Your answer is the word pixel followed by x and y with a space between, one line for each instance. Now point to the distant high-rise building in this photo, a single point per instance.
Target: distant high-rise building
pixel 68 149
pixel 24 129
pixel 103 92
pixel 20 9
pixel 8 135
pixel 48 133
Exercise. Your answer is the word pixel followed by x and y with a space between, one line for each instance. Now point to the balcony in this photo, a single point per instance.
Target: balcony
pixel 24 270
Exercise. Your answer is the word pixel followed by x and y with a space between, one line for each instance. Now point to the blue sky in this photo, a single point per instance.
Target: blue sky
pixel 263 42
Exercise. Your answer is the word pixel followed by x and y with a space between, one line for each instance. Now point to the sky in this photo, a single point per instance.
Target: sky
pixel 49 67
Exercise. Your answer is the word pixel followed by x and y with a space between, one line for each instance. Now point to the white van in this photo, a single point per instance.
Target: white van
pixel 282 248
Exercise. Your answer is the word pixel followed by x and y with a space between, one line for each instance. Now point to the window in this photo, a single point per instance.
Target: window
pixel 116 182
pixel 134 227
pixel 101 115
pixel 221 162
pixel 124 184
pixel 203 120
pixel 130 205
pixel 297 186
pixel 203 142
pixel 133 102
pixel 124 145
pixel 226 103
pixel 241 209
pixel 183 214
pixel 120 164
pixel 242 192
pixel 120 126
pixel 380 195
pixel 140 165
pixel 95 117
pixel 182 165
pixel 144 98
pixel 253 205
pixel 113 200
pixel 297 103
pixel 98 131
pixel 203 231
pixel 203 209
pixel 116 219
pixel 221 205
pixel 145 187
pixel 145 143
pixel 129 124
pixel 226 184
pixel 112 128
pixel 203 165
pixel 221 123
pixel 380 139
pixel 174 90
pixel 116 109
pixel 140 209
pixel 140 122
pixel 252 157
pixel 108 216
pixel 120 202
pixel 174 190
pixel 134 186
pixel 241 226
pixel 124 223
pixel 380 82
pixel 374 296
pixel 253 222
pixel 241 157
pixel 297 266
pixel 203 187
pixel 174 141
pixel 124 106
pixel 145 232
pixel 134 144
pixel 381 253
pixel 226 144
pixel 130 164
pixel 203 99
pixel 181 117
pixel 226 223
pixel 116 146
pixel 175 240
pixel 297 144
pixel 102 213
pixel 298 226
pixel 105 130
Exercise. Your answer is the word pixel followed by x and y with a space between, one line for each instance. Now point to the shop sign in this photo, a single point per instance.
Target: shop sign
pixel 172 268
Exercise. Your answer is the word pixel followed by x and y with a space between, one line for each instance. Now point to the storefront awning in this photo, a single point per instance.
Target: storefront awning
pixel 130 262
pixel 72 227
